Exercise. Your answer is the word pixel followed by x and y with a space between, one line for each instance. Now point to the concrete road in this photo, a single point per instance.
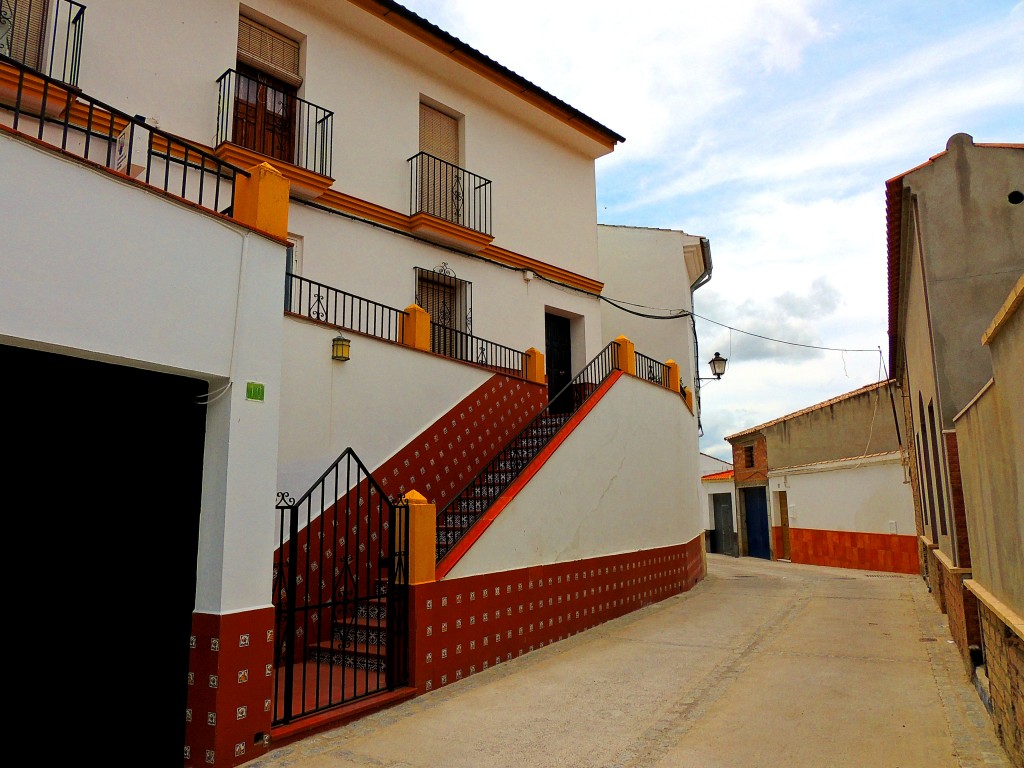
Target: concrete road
pixel 761 664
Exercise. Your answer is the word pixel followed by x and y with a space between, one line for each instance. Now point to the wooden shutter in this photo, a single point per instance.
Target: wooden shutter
pixel 268 51
pixel 28 30
pixel 439 134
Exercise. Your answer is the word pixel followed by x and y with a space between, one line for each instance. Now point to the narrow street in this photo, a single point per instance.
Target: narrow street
pixel 762 664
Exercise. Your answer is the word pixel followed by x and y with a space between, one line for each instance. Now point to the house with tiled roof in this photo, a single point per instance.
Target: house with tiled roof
pixel 827 485
pixel 321 406
pixel 955 227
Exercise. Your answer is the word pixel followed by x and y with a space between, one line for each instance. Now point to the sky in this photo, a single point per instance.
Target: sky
pixel 769 127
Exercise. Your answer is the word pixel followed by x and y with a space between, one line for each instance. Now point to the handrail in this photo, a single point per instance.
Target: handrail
pixel 293 130
pixel 23 34
pixel 444 190
pixel 471 503
pixel 649 369
pixel 325 304
pixel 460 345
pixel 104 135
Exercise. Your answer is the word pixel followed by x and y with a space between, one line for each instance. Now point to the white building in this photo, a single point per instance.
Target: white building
pixel 223 193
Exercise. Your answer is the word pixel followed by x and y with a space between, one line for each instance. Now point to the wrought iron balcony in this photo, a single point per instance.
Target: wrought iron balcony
pixel 273 121
pixel 48 41
pixel 450 193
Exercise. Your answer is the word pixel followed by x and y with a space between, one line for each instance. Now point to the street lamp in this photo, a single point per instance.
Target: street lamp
pixel 717 364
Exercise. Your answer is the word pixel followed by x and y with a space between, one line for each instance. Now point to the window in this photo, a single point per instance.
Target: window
pixel 266 89
pixel 292 268
pixel 448 300
pixel 748 456
pixel 940 497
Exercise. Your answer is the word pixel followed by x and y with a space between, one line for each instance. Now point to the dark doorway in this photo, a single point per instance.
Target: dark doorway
pixel 723 539
pixel 558 361
pixel 107 468
pixel 755 504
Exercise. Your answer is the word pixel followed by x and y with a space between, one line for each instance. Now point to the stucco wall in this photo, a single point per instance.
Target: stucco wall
pixel 629 256
pixel 991 435
pixel 973 241
pixel 622 481
pixel 379 264
pixel 866 495
pixel 128 276
pixel 373 403
pixel 858 425
pixel 372 77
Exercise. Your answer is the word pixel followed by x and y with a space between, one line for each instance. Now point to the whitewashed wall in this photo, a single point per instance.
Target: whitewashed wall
pixel 374 403
pixel 127 276
pixel 647 267
pixel 621 482
pixel 867 495
pixel 379 264
pixel 168 57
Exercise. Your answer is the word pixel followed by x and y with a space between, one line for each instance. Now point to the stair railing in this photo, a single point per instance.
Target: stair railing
pixel 341 554
pixel 471 503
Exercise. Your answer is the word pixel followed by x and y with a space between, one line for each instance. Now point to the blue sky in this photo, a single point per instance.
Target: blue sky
pixel 769 127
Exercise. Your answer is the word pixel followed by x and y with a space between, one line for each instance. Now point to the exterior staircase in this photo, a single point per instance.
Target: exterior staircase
pixel 469 506
pixel 358 633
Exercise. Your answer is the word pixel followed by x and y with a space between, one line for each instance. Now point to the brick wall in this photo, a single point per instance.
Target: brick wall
pixel 756 475
pixel 962 615
pixel 935 579
pixel 1004 663
pixel 956 488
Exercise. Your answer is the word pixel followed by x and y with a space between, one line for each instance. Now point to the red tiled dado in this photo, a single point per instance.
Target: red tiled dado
pixel 851 549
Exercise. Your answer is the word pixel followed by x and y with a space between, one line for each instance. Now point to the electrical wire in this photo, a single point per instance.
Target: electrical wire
pixel 686 313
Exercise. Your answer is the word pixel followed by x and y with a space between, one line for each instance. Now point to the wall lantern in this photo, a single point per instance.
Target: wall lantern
pixel 717 364
pixel 340 348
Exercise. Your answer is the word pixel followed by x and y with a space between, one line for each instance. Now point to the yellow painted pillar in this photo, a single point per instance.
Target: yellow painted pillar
pixel 627 355
pixel 416 328
pixel 421 548
pixel 533 365
pixel 261 200
pixel 688 398
pixel 672 380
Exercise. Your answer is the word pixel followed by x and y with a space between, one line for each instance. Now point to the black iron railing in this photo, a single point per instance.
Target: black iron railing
pixel 651 370
pixel 46 109
pixel 49 42
pixel 274 122
pixel 329 305
pixel 340 593
pixel 468 348
pixel 463 511
pixel 444 190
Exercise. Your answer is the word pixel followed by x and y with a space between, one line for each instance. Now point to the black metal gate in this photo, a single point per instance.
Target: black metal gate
pixel 340 593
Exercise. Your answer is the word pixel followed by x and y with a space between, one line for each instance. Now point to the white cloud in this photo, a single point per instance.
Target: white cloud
pixel 770 127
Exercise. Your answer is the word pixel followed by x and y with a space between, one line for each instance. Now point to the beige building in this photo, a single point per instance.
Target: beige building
pixel 826 485
pixel 956 260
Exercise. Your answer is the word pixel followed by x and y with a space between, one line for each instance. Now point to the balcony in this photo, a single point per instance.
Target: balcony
pixel 49 43
pixel 259 121
pixel 448 204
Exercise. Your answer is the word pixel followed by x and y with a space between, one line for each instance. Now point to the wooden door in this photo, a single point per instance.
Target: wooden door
pixel 264 114
pixel 558 362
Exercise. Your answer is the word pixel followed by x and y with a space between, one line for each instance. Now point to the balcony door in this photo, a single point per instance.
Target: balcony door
pixel 266 91
pixel 264 114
